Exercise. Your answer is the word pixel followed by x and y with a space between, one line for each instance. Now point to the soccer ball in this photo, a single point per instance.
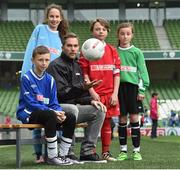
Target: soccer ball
pixel 92 49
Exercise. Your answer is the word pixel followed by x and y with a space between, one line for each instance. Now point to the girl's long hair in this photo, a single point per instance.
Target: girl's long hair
pixel 63 27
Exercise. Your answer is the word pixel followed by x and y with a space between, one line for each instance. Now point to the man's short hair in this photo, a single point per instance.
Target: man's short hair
pixel 70 35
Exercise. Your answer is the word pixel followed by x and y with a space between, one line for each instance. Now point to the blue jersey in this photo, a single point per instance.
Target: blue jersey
pixel 36 93
pixel 42 35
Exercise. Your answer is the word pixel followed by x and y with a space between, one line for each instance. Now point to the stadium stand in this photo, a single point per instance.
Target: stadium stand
pixel 8 102
pixel 14 35
pixel 173 32
pixel 169 92
pixel 145 36
pixel 81 28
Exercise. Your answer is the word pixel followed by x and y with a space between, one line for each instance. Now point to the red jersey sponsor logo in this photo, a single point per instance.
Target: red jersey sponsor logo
pixel 102 67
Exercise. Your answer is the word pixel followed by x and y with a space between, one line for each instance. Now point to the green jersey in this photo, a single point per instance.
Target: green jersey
pixel 133 67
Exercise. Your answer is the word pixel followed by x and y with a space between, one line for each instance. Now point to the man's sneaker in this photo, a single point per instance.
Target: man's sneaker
pixel 92 158
pixel 58 161
pixel 107 156
pixel 72 156
pixel 122 156
pixel 74 159
pixel 136 156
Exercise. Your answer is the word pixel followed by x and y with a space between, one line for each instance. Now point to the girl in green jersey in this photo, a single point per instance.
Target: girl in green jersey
pixel 133 69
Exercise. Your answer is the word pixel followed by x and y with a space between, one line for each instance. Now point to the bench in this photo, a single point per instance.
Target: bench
pixel 19 141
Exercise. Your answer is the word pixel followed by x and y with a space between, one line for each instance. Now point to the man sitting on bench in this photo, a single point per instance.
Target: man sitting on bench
pixel 38 104
pixel 73 94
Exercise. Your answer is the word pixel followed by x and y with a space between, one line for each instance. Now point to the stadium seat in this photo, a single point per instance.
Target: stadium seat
pixel 14 35
pixel 173 32
pixel 169 92
pixel 8 102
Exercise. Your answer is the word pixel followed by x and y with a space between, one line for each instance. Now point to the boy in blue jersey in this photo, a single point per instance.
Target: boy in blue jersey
pixel 38 105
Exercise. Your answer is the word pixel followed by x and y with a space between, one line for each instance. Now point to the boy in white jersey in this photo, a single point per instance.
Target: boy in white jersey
pixel 133 69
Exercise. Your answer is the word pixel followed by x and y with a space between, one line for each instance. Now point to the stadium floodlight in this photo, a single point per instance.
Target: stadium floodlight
pixel 138 4
pixel 156 2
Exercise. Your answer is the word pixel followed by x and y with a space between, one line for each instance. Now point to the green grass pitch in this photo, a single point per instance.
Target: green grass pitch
pixel 161 153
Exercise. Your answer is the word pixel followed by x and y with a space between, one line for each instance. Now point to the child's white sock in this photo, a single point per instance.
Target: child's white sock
pixel 64 146
pixel 52 150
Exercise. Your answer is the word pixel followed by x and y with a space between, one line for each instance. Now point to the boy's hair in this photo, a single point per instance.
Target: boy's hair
pixel 40 50
pixel 70 35
pixel 125 25
pixel 154 94
pixel 102 21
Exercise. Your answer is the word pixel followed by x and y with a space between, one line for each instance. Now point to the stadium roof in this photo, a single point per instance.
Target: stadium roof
pixel 111 3
pixel 84 1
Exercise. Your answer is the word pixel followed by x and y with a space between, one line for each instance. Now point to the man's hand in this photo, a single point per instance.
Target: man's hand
pixel 89 84
pixel 61 116
pixel 98 104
